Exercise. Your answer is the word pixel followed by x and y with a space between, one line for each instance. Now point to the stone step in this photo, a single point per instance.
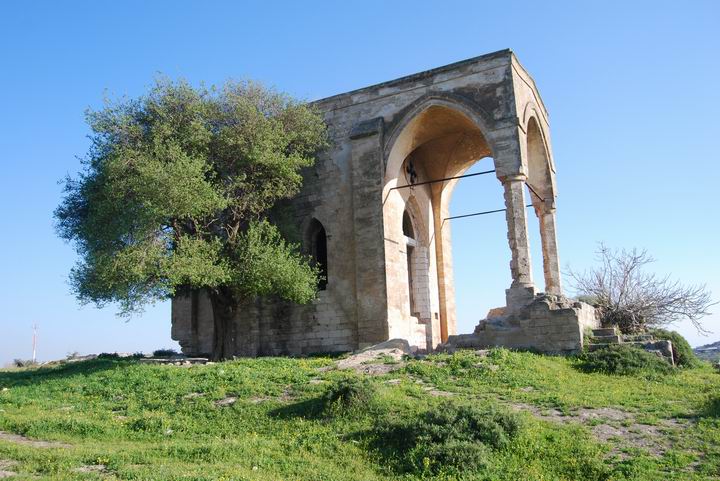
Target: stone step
pixel 638 338
pixel 605 331
pixel 612 339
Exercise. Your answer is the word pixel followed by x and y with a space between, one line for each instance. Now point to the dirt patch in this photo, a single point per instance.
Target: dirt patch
pixel 193 395
pixel 372 369
pixel 93 468
pixel 5 465
pixel 438 392
pixel 610 424
pixel 584 415
pixel 259 399
pixel 649 438
pixel 35 443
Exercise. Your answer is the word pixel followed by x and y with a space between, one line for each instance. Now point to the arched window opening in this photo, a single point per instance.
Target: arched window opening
pixel 318 251
pixel 409 232
pixel 407 226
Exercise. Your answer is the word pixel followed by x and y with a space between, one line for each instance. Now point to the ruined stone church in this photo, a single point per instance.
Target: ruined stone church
pixel 373 214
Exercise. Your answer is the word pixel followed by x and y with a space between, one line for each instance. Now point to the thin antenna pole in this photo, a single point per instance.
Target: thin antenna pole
pixel 34 342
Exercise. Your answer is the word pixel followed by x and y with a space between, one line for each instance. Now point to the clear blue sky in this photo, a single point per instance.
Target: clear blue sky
pixel 631 88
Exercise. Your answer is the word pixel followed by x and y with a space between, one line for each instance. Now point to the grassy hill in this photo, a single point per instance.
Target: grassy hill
pixel 505 415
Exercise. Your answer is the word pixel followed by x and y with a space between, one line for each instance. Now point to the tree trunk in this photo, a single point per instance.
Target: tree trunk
pixel 224 307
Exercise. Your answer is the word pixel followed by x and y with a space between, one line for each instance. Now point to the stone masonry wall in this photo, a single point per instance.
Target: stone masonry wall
pixel 366 300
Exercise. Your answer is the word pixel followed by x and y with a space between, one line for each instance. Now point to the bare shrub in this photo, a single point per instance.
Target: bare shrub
pixel 23 362
pixel 633 299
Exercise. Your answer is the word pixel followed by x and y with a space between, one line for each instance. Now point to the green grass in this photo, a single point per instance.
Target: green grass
pixel 153 422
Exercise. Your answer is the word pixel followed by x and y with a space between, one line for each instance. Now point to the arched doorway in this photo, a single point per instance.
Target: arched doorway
pixel 425 156
pixel 479 246
pixel 439 142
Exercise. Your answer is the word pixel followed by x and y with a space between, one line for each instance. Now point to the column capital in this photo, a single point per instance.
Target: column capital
pixel 548 207
pixel 519 177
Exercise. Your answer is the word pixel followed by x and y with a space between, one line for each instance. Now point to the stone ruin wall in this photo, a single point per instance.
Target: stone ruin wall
pixel 366 300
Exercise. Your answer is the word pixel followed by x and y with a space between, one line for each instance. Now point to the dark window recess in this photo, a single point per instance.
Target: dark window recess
pixel 318 251
pixel 407 226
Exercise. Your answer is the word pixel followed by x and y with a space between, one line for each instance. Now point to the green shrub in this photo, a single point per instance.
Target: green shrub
pixel 445 439
pixel 349 394
pixel 108 355
pixel 682 352
pixel 624 360
pixel 165 353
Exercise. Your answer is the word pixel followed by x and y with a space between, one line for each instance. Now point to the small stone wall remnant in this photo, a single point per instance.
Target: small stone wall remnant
pixel 549 323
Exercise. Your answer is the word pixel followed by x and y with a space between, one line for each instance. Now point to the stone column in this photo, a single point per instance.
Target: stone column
pixel 551 263
pixel 522 289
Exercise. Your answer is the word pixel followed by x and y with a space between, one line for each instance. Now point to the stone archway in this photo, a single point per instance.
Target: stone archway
pixel 439 141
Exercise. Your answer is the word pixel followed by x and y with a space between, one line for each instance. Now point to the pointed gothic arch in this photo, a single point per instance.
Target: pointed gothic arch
pixel 316 240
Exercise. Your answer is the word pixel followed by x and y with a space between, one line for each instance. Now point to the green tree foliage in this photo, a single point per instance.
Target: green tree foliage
pixel 175 194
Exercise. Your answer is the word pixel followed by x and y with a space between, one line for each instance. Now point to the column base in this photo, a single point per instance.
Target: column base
pixel 549 324
pixel 518 297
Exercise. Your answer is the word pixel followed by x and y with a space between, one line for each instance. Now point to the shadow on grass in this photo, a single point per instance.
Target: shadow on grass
pixel 313 408
pixel 711 408
pixel 31 376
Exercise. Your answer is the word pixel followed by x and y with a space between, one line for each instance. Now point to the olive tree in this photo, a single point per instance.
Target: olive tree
pixel 175 194
pixel 633 299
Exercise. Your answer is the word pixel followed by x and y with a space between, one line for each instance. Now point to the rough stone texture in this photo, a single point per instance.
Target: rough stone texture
pixel 395 349
pixel 388 143
pixel 549 323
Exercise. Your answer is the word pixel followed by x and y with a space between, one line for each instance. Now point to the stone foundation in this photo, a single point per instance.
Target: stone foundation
pixel 549 323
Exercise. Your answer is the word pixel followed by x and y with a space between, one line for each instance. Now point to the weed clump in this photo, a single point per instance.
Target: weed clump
pixel 448 439
pixel 350 394
pixel 624 360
